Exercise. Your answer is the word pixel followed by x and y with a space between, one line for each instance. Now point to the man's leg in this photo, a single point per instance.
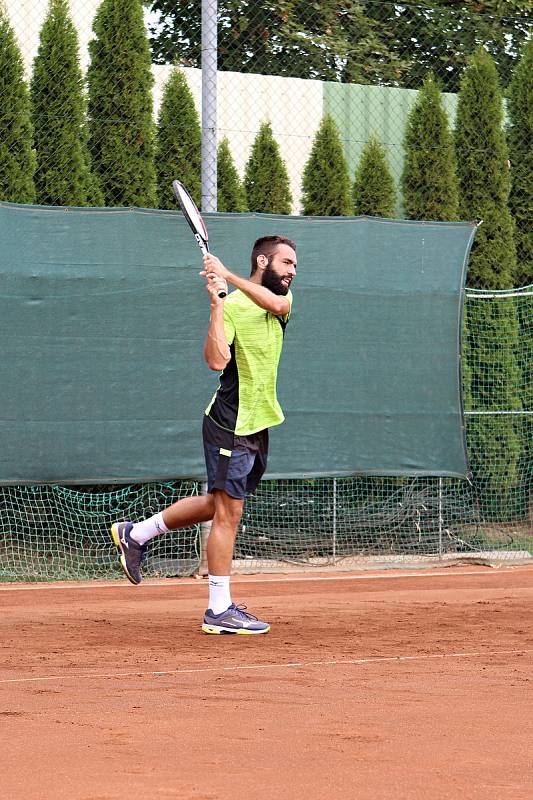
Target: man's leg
pixel 221 541
pixel 223 616
pixel 131 539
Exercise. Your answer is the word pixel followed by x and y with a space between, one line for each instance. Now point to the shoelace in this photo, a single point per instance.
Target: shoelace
pixel 241 611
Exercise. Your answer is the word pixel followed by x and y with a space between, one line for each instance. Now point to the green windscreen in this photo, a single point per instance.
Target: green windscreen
pixel 102 321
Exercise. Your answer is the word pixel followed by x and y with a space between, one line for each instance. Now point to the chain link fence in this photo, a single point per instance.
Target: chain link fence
pixel 115 96
pixel 418 110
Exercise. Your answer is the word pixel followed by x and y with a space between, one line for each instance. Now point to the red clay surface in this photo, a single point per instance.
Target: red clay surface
pixel 390 686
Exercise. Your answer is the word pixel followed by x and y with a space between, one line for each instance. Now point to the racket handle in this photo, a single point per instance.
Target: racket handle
pixel 204 247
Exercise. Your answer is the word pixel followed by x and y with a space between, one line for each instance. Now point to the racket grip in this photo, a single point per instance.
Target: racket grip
pixel 222 293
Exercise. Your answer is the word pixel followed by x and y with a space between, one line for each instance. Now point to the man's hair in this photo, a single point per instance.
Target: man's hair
pixel 266 246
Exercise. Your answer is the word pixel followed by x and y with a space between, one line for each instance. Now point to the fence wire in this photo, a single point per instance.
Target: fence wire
pixel 321 108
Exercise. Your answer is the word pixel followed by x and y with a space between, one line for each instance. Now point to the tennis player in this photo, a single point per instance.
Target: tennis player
pixel 244 341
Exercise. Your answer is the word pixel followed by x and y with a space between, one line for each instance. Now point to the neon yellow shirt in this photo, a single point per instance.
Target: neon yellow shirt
pixel 246 400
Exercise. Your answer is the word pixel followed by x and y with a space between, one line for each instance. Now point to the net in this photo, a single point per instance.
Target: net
pixel 58 532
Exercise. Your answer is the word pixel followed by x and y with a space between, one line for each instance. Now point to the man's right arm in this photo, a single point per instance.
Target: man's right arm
pixel 216 348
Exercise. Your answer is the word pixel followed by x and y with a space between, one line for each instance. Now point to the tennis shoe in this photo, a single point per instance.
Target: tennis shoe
pixel 132 553
pixel 234 619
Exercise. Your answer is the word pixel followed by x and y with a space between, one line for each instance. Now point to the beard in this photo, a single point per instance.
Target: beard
pixel 271 280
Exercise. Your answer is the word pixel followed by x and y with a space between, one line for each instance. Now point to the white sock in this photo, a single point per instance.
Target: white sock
pixel 143 531
pixel 219 593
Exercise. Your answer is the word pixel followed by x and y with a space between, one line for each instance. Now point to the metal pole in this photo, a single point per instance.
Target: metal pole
pixel 440 518
pixel 209 105
pixel 334 520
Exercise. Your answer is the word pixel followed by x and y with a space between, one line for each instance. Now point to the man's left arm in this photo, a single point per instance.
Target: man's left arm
pixel 261 296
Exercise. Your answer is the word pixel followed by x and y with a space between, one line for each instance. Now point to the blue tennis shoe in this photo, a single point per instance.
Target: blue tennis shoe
pixel 234 619
pixel 132 553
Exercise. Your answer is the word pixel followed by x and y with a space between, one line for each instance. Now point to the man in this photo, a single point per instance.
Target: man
pixel 243 342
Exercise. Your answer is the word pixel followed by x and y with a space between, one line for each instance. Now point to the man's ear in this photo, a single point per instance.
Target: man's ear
pixel 262 261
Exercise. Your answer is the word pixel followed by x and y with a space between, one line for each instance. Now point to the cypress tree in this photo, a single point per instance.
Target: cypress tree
pixel 326 179
pixel 62 175
pixel 373 191
pixel 429 180
pixel 520 136
pixel 520 107
pixel 121 128
pixel 483 172
pixel 492 378
pixel 17 161
pixel 178 142
pixel 266 180
pixel 231 195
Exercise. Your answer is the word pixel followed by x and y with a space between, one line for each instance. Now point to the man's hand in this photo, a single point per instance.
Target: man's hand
pixel 215 274
pixel 214 266
pixel 213 286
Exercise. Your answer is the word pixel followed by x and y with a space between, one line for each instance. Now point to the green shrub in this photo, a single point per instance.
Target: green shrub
pixel 17 160
pixel 429 180
pixel 121 128
pixel 326 179
pixel 374 192
pixel 266 180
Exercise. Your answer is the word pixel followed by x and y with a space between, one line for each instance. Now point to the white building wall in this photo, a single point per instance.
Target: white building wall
pixel 294 107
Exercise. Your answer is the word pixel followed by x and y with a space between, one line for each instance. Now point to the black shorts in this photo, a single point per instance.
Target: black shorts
pixel 235 464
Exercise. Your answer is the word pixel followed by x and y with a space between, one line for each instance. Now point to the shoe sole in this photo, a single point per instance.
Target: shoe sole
pixel 218 629
pixel 116 539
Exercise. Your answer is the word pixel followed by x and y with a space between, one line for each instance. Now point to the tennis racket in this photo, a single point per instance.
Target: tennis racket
pixel 194 218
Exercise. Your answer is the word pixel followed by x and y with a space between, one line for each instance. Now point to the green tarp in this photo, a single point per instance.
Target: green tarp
pixel 102 321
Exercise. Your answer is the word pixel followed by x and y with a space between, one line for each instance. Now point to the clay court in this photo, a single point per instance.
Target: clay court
pixel 370 685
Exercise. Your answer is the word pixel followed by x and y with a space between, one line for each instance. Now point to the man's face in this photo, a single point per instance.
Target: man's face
pixel 280 270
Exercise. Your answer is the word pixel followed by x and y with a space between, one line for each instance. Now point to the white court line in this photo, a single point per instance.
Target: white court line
pixel 283 665
pixel 173 583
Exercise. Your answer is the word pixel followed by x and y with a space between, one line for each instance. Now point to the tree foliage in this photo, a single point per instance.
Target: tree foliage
pixel 231 195
pixel 483 172
pixel 360 41
pixel 374 192
pixel 266 180
pixel 326 179
pixel 120 105
pixel 429 180
pixel 17 161
pixel 493 374
pixel 520 137
pixel 178 142
pixel 62 176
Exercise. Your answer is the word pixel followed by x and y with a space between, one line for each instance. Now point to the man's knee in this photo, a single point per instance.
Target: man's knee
pixel 228 510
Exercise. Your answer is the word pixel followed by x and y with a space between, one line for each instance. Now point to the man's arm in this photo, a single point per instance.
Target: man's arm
pixel 261 296
pixel 216 348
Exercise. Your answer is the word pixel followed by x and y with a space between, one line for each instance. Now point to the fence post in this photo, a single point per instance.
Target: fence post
pixel 209 105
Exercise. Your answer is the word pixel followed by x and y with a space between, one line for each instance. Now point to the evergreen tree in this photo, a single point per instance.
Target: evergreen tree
pixel 491 332
pixel 17 161
pixel 231 195
pixel 374 192
pixel 483 172
pixel 429 180
pixel 178 142
pixel 326 179
pixel 520 106
pixel 121 129
pixel 62 175
pixel 266 180
pixel 521 155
